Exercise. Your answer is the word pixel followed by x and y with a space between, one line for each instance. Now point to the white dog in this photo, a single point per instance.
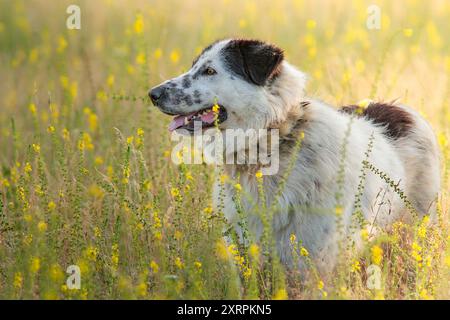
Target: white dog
pixel 350 160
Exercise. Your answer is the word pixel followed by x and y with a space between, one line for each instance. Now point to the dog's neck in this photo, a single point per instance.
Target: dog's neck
pixel 286 97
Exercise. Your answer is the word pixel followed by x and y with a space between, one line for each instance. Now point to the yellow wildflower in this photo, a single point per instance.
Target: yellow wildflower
pixel 208 210
pixel 189 176
pixel 311 24
pixel 140 58
pixel 238 187
pixel 154 266
pixel 304 252
pixel 281 294
pixel 98 161
pixel 178 263
pixel 360 66
pixel 35 265
pixel 32 108
pixel 65 134
pixel 95 191
pixel 138 24
pixel 174 56
pixel 423 294
pixel 85 142
pixel 221 249
pixel 115 256
pixel 215 108
pixel 56 274
pixel 92 121
pixel 377 254
pixel 140 132
pixel 223 178
pixel 36 148
pixel 356 267
pixel 146 185
pixel 18 280
pixel 42 226
pixel 39 190
pixel 242 23
pixel 5 182
pixel 141 289
pixel 364 234
pixel 232 249
pixel 246 273
pixel 166 153
pixel 62 44
pixel 442 138
pixel 416 252
pixel 73 90
pixel 408 32
pixel 130 69
pixel 175 192
pixel 320 285
pixel 198 265
pixel 379 295
pixel 64 80
pixel 27 168
pixel 84 294
pixel 91 253
pixel 364 103
pixel 157 54
pixel 254 251
pixel 447 261
pixel 110 171
pixel 422 232
pixel 293 239
pixel 51 206
pixel 178 234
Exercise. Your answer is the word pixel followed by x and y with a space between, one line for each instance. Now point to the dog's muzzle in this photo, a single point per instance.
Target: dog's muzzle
pixel 157 93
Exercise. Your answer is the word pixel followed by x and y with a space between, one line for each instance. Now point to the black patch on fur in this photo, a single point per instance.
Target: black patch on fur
pixel 188 100
pixel 397 121
pixel 186 83
pixel 178 97
pixel 254 61
pixel 197 94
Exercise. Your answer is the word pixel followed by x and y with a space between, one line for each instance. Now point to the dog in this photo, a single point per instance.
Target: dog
pixel 381 161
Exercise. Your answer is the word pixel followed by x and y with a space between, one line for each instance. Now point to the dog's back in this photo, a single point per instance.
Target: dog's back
pixel 416 144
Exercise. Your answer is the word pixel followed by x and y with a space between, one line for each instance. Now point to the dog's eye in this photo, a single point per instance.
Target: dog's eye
pixel 209 71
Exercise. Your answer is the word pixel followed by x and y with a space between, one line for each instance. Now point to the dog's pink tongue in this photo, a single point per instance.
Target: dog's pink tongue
pixel 209 117
pixel 177 122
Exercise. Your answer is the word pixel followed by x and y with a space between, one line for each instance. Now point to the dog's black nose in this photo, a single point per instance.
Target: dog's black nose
pixel 156 93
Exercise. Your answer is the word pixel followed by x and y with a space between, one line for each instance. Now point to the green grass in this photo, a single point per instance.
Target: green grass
pixel 85 170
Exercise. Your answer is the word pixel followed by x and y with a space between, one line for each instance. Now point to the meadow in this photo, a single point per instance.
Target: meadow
pixel 86 177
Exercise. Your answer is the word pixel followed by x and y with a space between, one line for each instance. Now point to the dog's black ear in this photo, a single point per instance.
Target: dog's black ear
pixel 253 60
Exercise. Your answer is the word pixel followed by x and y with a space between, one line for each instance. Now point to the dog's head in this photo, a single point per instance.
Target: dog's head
pixel 248 79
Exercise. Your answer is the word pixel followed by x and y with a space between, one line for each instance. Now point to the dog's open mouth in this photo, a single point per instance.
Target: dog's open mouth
pixel 208 117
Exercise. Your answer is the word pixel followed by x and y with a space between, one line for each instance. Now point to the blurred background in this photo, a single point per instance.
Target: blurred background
pixel 78 183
